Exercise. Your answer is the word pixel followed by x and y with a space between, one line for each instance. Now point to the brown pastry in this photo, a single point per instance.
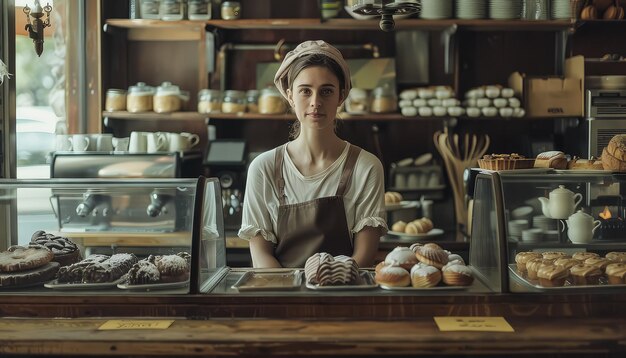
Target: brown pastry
pixel 75 272
pixel 567 262
pixel 458 275
pixel 505 162
pixel 585 164
pixel 553 255
pixel 401 256
pixel 616 256
pixel 614 154
pixel 29 277
pixel 20 258
pixel 585 275
pixel 552 276
pixel 65 251
pixel 552 159
pixel 172 268
pixel 523 257
pixel 425 276
pixel 392 197
pixel 533 266
pixel 414 247
pixel 616 273
pixel 110 269
pixel 398 226
pixel 393 276
pixel 144 272
pixel 432 256
pixel 582 256
pixel 599 262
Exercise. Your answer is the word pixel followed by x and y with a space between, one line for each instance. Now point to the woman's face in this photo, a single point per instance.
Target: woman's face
pixel 315 96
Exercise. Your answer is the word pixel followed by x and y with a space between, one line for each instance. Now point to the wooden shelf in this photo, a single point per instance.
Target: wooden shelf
pixel 341 24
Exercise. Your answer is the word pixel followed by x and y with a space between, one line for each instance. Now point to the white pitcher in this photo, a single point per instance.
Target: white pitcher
pixel 581 227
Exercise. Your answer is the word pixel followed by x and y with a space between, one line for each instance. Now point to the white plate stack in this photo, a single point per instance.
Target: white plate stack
pixel 516 227
pixel 533 235
pixel 436 9
pixel 505 9
pixel 544 223
pixel 471 9
pixel 561 9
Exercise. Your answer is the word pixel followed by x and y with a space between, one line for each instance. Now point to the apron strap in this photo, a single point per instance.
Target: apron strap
pixel 348 169
pixel 278 173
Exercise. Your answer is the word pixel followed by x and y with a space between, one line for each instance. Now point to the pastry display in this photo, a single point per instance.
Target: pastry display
pixel 393 276
pixel 599 262
pixel 432 256
pixel 392 197
pixel 616 273
pixel 614 154
pixel 324 269
pixel 616 256
pixel 523 257
pixel 65 251
pixel 401 256
pixel 551 159
pixel 458 275
pixel 505 162
pixel 533 266
pixel 552 276
pixel 585 275
pixel 424 276
pixel 566 262
pixel 582 256
pixel 553 255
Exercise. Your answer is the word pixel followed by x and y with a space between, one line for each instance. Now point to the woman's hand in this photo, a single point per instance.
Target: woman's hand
pixel 366 245
pixel 262 252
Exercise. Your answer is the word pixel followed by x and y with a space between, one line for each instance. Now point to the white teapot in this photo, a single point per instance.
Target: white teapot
pixel 581 227
pixel 562 203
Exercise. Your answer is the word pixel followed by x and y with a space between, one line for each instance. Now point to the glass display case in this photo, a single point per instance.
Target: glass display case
pixel 544 215
pixel 116 236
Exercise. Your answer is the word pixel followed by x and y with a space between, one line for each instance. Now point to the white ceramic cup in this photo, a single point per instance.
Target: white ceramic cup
pixel 80 142
pixel 138 142
pixel 121 144
pixel 102 142
pixel 156 142
pixel 182 141
pixel 63 142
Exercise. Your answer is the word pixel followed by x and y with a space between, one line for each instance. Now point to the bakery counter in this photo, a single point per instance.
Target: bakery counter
pixel 571 337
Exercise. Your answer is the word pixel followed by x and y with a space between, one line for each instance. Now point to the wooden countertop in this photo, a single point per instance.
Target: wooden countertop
pixel 267 337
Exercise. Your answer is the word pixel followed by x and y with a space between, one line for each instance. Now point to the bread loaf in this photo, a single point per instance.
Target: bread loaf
pixel 582 164
pixel 614 154
pixel 552 159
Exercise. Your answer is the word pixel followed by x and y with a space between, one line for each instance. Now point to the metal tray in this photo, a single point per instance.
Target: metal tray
pixel 568 286
pixel 425 289
pixel 153 286
pixel 365 281
pixel 54 284
pixel 269 280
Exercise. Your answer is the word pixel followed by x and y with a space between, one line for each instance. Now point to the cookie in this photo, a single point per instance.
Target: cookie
pixel 29 277
pixel 20 258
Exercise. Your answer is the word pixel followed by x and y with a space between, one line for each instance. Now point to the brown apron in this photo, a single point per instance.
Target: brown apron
pixel 318 225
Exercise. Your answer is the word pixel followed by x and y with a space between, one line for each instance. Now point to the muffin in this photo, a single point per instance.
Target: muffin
pixel 458 275
pixel 552 276
pixel 403 256
pixel 432 256
pixel 566 262
pixel 393 276
pixel 599 262
pixel 582 256
pixel 425 276
pixel 616 256
pixel 523 257
pixel 585 275
pixel 616 273
pixel 533 266
pixel 553 255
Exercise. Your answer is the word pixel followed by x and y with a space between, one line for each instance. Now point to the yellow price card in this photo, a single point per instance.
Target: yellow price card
pixel 135 324
pixel 476 324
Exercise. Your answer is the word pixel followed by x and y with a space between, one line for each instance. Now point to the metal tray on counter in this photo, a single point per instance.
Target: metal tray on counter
pixel 365 281
pixel 269 280
pixel 425 289
pixel 567 287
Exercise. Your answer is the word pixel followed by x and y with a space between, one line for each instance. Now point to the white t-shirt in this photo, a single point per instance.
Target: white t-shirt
pixel 364 199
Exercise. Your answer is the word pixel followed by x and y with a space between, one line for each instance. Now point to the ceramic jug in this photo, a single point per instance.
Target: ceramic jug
pixel 562 203
pixel 581 227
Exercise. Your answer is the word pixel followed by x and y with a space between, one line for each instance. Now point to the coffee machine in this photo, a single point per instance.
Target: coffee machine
pixel 226 159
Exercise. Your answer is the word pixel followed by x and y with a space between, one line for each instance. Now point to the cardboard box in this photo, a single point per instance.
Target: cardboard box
pixel 553 96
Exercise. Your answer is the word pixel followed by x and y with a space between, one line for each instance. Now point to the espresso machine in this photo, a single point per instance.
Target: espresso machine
pixel 226 160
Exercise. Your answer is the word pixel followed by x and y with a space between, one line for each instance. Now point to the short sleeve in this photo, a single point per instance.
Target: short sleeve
pixel 370 201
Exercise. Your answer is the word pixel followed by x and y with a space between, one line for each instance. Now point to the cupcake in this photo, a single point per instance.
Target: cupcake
pixel 425 276
pixel 533 266
pixel 599 262
pixel 553 255
pixel 458 275
pixel 403 256
pixel 523 257
pixel 552 276
pixel 585 275
pixel 582 256
pixel 616 273
pixel 619 257
pixel 566 262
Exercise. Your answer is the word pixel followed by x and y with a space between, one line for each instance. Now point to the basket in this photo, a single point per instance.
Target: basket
pixel 505 163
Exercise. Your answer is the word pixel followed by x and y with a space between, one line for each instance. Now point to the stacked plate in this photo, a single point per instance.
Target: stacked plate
pixel 533 235
pixel 517 227
pixel 471 9
pixel 561 9
pixel 544 223
pixel 505 9
pixel 436 9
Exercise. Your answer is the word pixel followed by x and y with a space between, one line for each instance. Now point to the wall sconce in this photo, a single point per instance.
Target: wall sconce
pixel 386 9
pixel 35 28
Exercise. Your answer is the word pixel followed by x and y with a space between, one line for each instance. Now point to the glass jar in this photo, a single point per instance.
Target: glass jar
pixel 231 10
pixel 171 10
pixel 168 98
pixel 139 98
pixel 252 101
pixel 271 101
pixel 115 100
pixel 384 100
pixel 357 102
pixel 234 102
pixel 199 9
pixel 209 101
pixel 149 9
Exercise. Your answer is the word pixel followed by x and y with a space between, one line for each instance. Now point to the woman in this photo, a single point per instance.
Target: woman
pixel 317 193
